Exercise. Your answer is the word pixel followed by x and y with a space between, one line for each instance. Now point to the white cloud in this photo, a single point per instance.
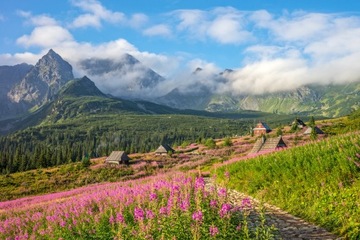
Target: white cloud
pixel 192 22
pixel 268 76
pixel 137 20
pixel 158 30
pixel 86 20
pixel 298 26
pixel 38 20
pixel 95 13
pixel 17 58
pixel 227 29
pixel 223 25
pixel 45 36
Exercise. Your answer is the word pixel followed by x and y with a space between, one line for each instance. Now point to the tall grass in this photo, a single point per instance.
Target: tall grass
pixel 319 182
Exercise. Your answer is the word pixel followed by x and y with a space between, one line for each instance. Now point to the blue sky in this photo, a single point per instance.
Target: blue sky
pixel 277 44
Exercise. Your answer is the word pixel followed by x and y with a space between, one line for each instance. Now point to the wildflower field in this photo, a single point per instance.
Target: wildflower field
pixel 172 206
pixel 318 182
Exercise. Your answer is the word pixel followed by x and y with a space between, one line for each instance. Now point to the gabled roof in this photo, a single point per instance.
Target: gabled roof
pixel 164 148
pixel 268 144
pixel 262 125
pixel 118 156
pixel 298 121
pixel 310 129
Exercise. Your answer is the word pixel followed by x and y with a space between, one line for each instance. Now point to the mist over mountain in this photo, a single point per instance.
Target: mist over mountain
pixel 123 77
pixel 24 87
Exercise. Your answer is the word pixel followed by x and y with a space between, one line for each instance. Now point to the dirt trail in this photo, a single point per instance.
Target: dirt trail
pixel 287 225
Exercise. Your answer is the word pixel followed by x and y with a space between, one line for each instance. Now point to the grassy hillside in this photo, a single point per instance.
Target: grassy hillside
pixel 318 182
pixel 57 179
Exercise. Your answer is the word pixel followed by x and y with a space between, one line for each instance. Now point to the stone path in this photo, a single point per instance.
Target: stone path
pixel 287 225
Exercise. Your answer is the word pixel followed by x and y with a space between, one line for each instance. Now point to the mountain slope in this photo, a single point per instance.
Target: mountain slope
pixel 43 81
pixel 9 77
pixel 328 101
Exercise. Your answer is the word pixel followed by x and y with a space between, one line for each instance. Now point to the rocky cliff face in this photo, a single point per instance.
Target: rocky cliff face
pixel 43 81
pixel 24 86
pixel 10 76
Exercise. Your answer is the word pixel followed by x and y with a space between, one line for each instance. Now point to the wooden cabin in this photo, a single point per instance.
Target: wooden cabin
pixel 298 123
pixel 261 129
pixel 310 129
pixel 117 157
pixel 164 149
pixel 263 145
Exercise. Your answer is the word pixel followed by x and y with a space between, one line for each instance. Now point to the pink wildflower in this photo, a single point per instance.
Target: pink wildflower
pixel 225 209
pixel 139 214
pixel 197 216
pixel 213 203
pixel 222 192
pixel 163 210
pixel 246 203
pixel 213 231
pixel 62 223
pixel 150 214
pixel 199 183
pixel 120 218
pixel 185 204
pixel 153 196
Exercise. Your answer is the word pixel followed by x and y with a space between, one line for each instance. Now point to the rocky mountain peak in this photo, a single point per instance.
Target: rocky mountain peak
pixel 43 80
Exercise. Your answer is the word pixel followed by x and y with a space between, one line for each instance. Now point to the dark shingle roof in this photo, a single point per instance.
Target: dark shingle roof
pixel 117 156
pixel 264 145
pixel 164 148
pixel 310 129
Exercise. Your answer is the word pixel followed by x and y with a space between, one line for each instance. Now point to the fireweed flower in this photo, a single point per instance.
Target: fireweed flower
pixel 213 231
pixel 153 196
pixel 197 216
pixel 225 209
pixel 163 210
pixel 213 203
pixel 199 183
pixel 149 214
pixel 120 218
pixel 246 203
pixel 139 214
pixel 222 192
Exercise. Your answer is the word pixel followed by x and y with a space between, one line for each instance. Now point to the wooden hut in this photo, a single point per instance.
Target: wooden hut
pixel 264 144
pixel 164 149
pixel 298 123
pixel 261 129
pixel 310 129
pixel 117 157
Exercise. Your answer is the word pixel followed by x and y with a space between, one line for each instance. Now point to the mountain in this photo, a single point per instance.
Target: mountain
pixel 197 99
pixel 25 86
pixel 43 81
pixel 328 100
pixel 81 87
pixel 128 72
pixel 9 77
